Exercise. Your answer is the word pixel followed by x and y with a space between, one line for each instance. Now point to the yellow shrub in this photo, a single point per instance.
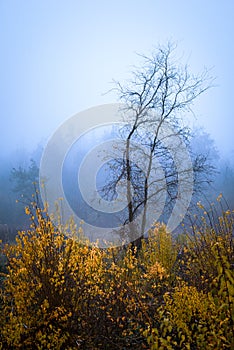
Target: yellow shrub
pixel 60 294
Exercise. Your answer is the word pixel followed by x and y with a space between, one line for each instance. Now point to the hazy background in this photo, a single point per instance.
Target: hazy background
pixel 59 57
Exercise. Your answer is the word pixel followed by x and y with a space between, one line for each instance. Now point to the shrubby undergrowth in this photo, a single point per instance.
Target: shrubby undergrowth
pixel 175 293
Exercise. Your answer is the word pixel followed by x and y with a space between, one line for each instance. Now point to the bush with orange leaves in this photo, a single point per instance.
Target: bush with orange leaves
pixel 59 293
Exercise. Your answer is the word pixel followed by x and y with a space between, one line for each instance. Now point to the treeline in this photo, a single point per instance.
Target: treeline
pixel 19 177
pixel 175 293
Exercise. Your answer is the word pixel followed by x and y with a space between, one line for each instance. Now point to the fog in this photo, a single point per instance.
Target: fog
pixel 59 58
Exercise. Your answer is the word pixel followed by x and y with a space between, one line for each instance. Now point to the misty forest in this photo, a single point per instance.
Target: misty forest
pixel 159 288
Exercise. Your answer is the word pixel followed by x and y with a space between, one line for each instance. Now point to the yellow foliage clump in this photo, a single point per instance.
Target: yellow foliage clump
pixel 58 293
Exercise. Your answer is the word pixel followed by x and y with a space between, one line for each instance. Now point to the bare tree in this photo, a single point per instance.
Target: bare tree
pixel 155 102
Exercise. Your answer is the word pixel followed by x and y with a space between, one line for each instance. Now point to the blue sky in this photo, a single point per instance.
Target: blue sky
pixel 59 57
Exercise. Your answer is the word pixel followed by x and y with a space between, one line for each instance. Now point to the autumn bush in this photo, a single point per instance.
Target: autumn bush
pixel 198 313
pixel 59 293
